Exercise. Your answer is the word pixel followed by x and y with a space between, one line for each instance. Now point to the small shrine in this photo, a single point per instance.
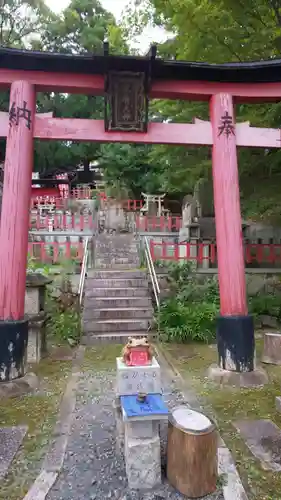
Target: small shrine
pixel 139 408
pixel 139 411
pixel 153 205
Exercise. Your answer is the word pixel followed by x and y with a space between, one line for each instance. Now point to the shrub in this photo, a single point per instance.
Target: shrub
pixel 190 315
pixel 265 304
pixel 64 323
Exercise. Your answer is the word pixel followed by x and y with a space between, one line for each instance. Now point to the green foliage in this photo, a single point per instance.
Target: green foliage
pixel 129 166
pixel 265 304
pixel 33 266
pixel 81 28
pixel 198 30
pixel 185 322
pixel 21 20
pixel 64 323
pixel 216 32
pixel 190 314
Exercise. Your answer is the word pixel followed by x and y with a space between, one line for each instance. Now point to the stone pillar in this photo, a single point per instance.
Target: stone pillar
pixel 235 330
pixel 193 250
pixel 14 230
pixel 206 255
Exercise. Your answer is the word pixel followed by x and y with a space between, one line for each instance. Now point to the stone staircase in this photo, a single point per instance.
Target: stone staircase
pixel 117 303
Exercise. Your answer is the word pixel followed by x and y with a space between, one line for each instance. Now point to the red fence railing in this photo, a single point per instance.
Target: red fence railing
pixel 82 193
pixel 132 205
pixel 148 223
pixel 256 254
pixel 55 252
pixel 63 222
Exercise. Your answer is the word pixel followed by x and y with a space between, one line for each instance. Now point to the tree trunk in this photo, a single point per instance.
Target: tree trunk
pixel 192 453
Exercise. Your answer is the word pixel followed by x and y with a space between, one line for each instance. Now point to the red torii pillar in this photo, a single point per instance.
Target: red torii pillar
pixel 235 328
pixel 14 230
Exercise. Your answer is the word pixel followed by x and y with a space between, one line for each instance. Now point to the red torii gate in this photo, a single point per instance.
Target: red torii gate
pixel 26 73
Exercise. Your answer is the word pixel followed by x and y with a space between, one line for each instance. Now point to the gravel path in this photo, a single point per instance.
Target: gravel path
pixel 91 470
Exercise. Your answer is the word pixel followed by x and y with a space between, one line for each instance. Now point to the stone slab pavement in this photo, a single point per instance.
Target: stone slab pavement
pixel 10 441
pixel 263 439
pixel 91 469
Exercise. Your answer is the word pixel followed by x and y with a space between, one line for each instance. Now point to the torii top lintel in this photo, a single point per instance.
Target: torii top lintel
pixel 247 82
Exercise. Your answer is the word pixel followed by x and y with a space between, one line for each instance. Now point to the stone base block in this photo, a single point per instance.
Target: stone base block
pixel 20 386
pixel 36 339
pixel 135 379
pixel 255 378
pixel 272 348
pixel 143 463
pixel 142 430
pixel 236 343
pixel 13 349
pixel 278 403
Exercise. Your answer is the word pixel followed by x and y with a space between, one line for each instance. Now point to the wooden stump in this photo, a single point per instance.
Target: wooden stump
pixel 272 348
pixel 192 466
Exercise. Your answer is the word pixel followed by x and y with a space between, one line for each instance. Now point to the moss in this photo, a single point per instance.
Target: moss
pixel 39 413
pixel 229 405
pixel 101 357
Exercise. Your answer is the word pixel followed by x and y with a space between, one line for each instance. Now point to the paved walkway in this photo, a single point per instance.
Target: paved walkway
pixel 92 470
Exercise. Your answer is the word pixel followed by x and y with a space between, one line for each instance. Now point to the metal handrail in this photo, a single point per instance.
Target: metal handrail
pixel 83 271
pixel 153 276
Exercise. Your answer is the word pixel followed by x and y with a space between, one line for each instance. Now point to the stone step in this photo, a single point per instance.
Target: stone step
pixel 109 302
pixel 117 274
pixel 102 265
pixel 117 313
pixel 116 292
pixel 108 263
pixel 116 283
pixel 115 338
pixel 116 262
pixel 115 325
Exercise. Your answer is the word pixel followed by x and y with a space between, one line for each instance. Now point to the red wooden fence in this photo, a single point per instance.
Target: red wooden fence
pixel 255 253
pixel 63 222
pixel 148 223
pixel 132 205
pixel 56 252
pixel 82 193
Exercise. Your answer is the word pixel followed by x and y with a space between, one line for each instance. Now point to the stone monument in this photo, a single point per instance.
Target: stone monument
pixel 35 311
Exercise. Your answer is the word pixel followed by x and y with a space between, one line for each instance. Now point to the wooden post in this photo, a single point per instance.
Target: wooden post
pixel 14 230
pixel 192 453
pixel 235 327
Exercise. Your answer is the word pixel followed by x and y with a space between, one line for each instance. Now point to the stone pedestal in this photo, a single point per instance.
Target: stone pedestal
pixel 142 429
pixel 36 338
pixel 272 348
pixel 143 465
pixel 206 256
pixel 34 309
pixel 35 293
pixel 135 379
pixel 278 403
pixel 137 430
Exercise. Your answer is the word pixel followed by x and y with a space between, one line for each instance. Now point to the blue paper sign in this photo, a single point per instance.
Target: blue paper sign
pixel 153 405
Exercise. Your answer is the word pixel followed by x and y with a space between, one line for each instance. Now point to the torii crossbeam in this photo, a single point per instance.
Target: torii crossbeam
pixel 194 134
